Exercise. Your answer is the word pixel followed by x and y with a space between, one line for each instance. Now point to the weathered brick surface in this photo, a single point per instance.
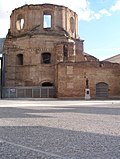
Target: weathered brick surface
pixel 68 70
pixel 79 73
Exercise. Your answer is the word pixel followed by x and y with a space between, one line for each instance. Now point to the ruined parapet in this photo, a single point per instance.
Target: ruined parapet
pixel 43 18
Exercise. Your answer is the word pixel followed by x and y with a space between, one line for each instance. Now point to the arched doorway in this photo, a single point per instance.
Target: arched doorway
pixel 101 90
pixel 47 84
pixel 47 90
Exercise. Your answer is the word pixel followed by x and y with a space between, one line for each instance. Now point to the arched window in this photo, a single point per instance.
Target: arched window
pixel 46 58
pixel 72 24
pixel 65 50
pixel 19 59
pixel 20 22
pixel 47 84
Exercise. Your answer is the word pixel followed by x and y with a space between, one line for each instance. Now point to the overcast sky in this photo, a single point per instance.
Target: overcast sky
pixel 99 22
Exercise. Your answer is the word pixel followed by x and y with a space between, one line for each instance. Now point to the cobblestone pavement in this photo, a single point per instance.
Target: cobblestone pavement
pixel 58 129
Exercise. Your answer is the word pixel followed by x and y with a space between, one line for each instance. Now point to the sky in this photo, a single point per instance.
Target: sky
pixel 99 22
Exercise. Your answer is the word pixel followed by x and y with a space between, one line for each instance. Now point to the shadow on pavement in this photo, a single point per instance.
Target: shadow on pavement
pixel 61 142
pixel 36 112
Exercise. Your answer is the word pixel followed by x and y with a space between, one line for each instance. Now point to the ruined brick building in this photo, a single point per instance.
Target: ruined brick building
pixel 44 57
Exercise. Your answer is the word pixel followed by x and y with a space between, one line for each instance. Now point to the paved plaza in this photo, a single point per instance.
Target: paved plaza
pixel 59 129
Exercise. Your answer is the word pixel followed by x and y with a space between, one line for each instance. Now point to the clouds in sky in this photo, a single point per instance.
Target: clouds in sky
pixel 116 6
pixel 81 7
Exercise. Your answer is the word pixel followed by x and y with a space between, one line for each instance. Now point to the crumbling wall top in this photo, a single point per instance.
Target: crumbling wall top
pixel 44 17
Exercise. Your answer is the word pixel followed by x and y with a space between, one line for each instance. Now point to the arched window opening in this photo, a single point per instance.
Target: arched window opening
pixel 47 84
pixel 46 58
pixel 47 22
pixel 19 59
pixel 72 24
pixel 65 51
pixel 20 22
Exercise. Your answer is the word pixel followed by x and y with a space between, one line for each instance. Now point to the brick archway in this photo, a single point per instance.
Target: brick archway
pixel 101 90
pixel 47 90
pixel 47 84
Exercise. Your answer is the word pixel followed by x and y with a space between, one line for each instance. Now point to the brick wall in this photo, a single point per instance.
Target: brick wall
pixel 72 78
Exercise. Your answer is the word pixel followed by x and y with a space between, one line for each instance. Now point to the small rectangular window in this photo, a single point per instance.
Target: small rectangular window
pixel 46 58
pixel 47 21
pixel 19 59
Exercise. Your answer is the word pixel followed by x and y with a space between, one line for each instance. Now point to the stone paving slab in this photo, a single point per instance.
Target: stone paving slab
pixel 59 129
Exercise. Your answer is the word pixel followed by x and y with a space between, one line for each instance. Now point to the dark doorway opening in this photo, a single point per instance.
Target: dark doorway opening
pixel 47 84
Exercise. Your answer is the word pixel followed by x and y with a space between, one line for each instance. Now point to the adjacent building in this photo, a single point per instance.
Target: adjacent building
pixel 114 59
